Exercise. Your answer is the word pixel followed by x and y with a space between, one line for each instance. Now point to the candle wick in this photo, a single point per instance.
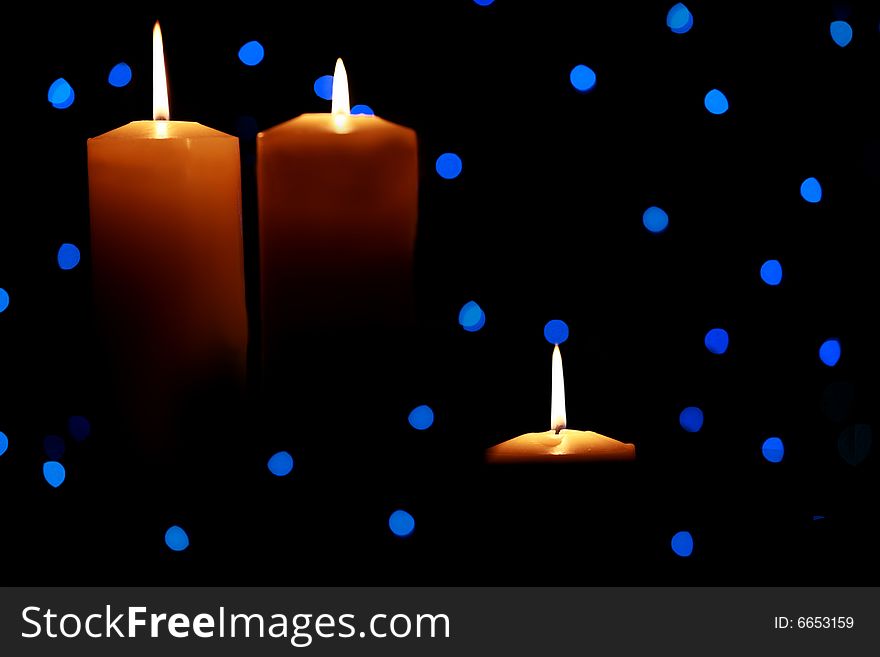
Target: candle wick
pixel 559 428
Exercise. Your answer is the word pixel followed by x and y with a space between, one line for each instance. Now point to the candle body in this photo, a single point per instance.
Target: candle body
pixel 167 262
pixel 338 205
pixel 568 445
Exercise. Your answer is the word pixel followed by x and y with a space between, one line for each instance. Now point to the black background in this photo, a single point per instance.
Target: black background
pixel 543 223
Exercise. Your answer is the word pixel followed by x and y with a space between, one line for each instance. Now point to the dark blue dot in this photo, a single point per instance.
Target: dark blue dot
pixel 280 464
pixel 4 299
pixel 829 352
pixel 556 331
pixel 655 219
pixel 324 87
pixel 773 450
pixel 854 443
pixel 471 317
pixel 841 33
pixel 583 78
pixel 679 19
pixel 54 473
pixel 79 427
pixel 691 419
pixel 251 53
pixel 362 109
pixel 716 102
pixel 54 447
pixel 120 75
pixel 771 272
pixel 4 443
pixel 811 190
pixel 401 523
pixel 717 340
pixel 60 94
pixel 421 417
pixel 683 544
pixel 176 538
pixel 448 166
pixel 68 256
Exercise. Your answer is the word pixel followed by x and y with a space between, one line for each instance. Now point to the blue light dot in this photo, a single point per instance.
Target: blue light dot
pixel 4 443
pixel 79 427
pixel 483 3
pixel 471 317
pixel 4 299
pixel 363 109
pixel 771 272
pixel 691 419
pixel 717 340
pixel 54 447
pixel 120 75
pixel 401 523
pixel 655 219
pixel 281 464
pixel 683 544
pixel 841 33
pixel 176 538
pixel 773 450
pixel 324 87
pixel 583 78
pixel 61 94
pixel 54 473
pixel 829 352
pixel 716 102
pixel 811 190
pixel 556 331
pixel 68 256
pixel 679 19
pixel 421 417
pixel 448 166
pixel 251 53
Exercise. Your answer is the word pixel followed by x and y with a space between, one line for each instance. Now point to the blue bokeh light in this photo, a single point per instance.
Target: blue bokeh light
pixel 691 419
pixel 120 75
pixel 324 87
pixel 421 417
pixel 773 450
pixel 68 256
pixel 829 352
pixel 583 78
pixel 811 190
pixel 251 53
pixel 401 523
pixel 683 544
pixel 79 427
pixel 54 447
pixel 280 464
pixel 484 3
pixel 679 19
pixel 4 443
pixel 61 94
pixel 841 33
pixel 771 272
pixel 556 331
pixel 716 102
pixel 471 317
pixel 655 219
pixel 176 538
pixel 717 340
pixel 448 166
pixel 4 299
pixel 54 473
pixel 363 109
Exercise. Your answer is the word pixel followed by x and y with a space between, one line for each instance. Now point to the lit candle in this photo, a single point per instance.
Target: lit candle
pixel 560 444
pixel 338 204
pixel 167 261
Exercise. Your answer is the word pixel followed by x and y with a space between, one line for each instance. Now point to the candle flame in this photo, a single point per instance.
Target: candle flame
pixel 340 103
pixel 557 395
pixel 161 111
